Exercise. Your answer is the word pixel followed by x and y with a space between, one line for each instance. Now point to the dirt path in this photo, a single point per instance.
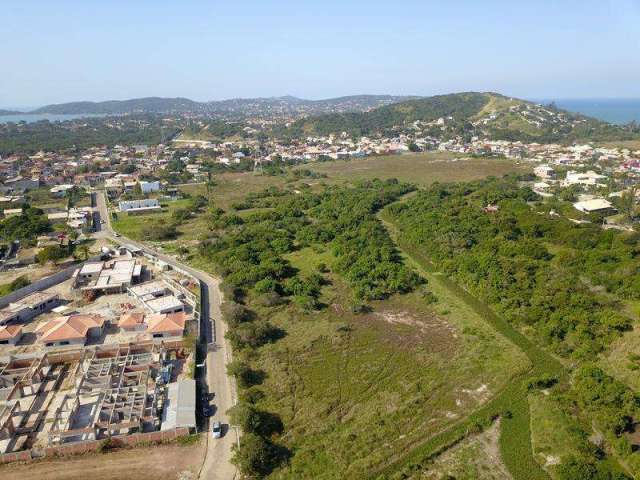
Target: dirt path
pixel 166 462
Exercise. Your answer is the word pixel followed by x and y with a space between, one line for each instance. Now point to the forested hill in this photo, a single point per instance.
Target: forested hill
pixel 114 107
pixel 468 114
pixel 236 106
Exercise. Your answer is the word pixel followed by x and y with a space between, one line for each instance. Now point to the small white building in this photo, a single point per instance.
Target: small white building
pixel 597 205
pixel 544 172
pixel 589 178
pixel 138 206
pixel 168 304
pixel 149 187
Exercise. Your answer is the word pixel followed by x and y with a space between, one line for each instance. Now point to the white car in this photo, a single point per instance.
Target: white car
pixel 216 430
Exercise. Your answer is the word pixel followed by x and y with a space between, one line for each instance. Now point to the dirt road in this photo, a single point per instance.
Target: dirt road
pixel 162 462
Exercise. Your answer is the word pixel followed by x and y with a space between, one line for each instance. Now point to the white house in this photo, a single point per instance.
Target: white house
pixel 139 206
pixel 597 205
pixel 589 178
pixel 148 187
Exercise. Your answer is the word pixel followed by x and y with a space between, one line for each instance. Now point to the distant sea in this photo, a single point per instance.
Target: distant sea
pixel 32 117
pixel 613 110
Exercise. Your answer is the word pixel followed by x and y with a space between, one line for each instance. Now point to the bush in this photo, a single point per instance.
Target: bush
pixel 244 375
pixel 235 314
pixel 51 253
pixel 256 456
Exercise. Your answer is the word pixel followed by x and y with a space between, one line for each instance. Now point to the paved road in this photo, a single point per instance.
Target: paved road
pixel 217 463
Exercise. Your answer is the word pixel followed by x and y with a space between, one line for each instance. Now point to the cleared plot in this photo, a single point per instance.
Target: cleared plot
pixel 622 360
pixel 552 437
pixel 132 225
pixel 477 457
pixel 160 462
pixel 232 187
pixel 422 169
pixel 630 144
pixel 355 390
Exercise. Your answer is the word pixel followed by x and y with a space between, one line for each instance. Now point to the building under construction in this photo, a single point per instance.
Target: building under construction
pixel 118 391
pixel 85 395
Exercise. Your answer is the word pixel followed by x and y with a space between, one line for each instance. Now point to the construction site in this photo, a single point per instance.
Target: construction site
pixel 99 393
pixel 115 367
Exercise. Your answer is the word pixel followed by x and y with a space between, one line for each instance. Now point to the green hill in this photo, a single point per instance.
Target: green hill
pixel 467 114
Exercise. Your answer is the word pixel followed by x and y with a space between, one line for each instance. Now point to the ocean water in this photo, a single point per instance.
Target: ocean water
pixel 32 117
pixel 613 110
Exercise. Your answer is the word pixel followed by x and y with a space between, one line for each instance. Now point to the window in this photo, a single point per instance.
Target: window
pixel 4 342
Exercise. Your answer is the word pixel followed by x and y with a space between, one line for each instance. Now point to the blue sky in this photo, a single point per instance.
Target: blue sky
pixel 65 50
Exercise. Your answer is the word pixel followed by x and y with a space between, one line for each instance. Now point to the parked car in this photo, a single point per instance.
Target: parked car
pixel 216 430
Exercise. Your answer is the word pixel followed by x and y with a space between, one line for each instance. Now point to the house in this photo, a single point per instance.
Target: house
pixel 589 178
pixel 132 322
pixel 167 326
pixel 545 172
pixel 12 212
pixel 145 205
pixel 28 307
pixel 150 290
pixel 180 407
pixel 149 187
pixel 60 190
pixel 71 330
pixel 168 304
pixel 10 334
pixel 597 205
pixel 114 276
pixel 20 184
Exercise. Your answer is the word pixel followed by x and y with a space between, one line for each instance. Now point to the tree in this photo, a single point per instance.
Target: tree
pixel 51 253
pixel 254 457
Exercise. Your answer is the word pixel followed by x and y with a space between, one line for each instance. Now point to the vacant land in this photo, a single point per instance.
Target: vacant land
pixel 422 169
pixel 475 458
pixel 515 438
pixel 230 188
pixel 630 144
pixel 552 435
pixel 353 389
pixel 161 462
pixel 233 187
pixel 623 358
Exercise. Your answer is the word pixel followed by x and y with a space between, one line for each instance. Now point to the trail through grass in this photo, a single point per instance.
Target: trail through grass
pixel 511 402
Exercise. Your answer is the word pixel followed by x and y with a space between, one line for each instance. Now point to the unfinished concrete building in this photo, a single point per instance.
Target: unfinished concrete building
pixel 116 394
pixel 28 386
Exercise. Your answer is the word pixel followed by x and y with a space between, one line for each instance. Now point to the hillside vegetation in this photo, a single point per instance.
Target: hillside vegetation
pixel 467 114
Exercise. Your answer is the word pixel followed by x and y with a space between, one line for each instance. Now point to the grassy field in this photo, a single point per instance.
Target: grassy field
pixel 232 187
pixel 229 188
pixel 630 144
pixel 354 391
pixel 422 169
pixel 552 437
pixel 515 438
pixel 622 360
pixel 475 458
pixel 132 225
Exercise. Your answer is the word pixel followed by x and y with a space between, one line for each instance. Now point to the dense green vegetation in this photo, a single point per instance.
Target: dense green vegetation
pixel 27 226
pixel 18 283
pixel 505 258
pixel 250 252
pixel 461 109
pixel 561 282
pixel 88 132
